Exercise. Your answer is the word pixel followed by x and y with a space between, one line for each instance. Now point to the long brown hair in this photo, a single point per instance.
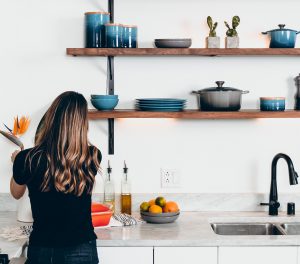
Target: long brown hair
pixel 63 138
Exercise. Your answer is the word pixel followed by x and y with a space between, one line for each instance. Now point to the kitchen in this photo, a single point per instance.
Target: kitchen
pixel 224 165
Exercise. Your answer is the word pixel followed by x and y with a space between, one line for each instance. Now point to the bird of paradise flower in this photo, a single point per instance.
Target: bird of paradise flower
pixel 20 128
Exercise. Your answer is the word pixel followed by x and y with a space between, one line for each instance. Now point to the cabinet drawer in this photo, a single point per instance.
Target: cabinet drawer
pixel 257 255
pixel 125 255
pixel 186 255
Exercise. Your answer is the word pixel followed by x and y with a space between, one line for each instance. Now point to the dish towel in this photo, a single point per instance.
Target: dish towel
pixel 16 233
pixel 127 220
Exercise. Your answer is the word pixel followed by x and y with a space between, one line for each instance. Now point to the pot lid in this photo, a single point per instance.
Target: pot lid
pixel 281 28
pixel 219 88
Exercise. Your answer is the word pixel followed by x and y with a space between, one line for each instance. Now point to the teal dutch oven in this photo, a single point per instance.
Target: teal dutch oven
pixel 282 37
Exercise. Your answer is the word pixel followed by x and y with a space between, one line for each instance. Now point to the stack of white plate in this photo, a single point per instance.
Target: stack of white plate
pixel 160 104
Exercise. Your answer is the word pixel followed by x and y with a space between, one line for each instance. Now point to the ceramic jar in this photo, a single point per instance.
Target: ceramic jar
pixel 114 34
pixel 95 29
pixel 130 36
pixel 272 103
pixel 24 213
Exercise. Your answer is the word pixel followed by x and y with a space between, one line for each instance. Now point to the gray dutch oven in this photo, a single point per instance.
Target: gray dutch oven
pixel 220 98
pixel 282 37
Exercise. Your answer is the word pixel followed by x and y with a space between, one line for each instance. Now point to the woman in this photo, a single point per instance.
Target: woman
pixel 60 174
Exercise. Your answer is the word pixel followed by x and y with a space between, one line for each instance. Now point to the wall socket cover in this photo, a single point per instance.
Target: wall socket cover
pixel 170 178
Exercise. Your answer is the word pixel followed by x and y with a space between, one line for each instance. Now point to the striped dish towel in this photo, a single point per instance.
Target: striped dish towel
pixel 127 220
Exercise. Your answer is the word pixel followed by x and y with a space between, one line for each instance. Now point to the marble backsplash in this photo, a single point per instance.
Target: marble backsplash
pixel 191 202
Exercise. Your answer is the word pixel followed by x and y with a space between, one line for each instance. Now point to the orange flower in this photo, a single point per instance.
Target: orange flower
pixel 20 126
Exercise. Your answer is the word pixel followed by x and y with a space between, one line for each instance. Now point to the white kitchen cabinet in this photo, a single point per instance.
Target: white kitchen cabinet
pixel 188 255
pixel 258 255
pixel 125 255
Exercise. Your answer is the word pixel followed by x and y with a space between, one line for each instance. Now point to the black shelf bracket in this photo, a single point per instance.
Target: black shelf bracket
pixel 111 87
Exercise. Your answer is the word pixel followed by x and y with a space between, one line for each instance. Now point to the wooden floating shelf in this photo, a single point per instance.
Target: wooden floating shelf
pixel 192 114
pixel 182 52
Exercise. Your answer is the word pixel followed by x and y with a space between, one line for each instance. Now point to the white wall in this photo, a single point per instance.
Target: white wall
pixel 213 156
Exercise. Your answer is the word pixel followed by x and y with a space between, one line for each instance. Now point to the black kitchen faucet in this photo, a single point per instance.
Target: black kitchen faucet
pixel 273 201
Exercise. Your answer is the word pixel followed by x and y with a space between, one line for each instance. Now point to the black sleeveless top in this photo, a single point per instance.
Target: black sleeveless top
pixel 60 220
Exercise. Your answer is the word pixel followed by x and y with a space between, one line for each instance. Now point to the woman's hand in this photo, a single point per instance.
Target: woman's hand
pixel 14 155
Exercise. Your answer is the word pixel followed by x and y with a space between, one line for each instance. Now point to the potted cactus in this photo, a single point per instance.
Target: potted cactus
pixel 212 40
pixel 232 39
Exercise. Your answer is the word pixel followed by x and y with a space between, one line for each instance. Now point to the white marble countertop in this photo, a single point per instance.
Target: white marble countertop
pixel 191 229
pixel 13 249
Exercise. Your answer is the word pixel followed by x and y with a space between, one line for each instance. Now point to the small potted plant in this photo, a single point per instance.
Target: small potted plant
pixel 232 39
pixel 212 40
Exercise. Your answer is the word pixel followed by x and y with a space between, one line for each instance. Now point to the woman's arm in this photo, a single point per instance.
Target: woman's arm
pixel 16 190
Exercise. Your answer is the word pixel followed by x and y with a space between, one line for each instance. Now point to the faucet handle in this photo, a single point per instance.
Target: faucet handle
pixel 264 204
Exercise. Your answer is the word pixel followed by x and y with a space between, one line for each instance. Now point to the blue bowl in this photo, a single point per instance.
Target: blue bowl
pixel 272 103
pixel 100 96
pixel 104 104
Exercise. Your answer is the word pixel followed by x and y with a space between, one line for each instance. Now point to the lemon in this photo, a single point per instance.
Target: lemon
pixel 144 207
pixel 160 201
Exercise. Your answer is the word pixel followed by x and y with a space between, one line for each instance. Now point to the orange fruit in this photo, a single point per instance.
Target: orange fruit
pixel 161 201
pixel 152 202
pixel 171 207
pixel 155 209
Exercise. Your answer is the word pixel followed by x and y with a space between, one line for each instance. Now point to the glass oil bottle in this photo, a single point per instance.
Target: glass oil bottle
pixel 125 192
pixel 109 189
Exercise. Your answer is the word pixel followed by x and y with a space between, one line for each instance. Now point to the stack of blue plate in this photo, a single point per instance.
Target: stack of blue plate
pixel 160 104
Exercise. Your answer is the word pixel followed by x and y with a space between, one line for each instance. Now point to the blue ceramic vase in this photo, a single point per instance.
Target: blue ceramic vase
pixel 95 29
pixel 114 33
pixel 129 36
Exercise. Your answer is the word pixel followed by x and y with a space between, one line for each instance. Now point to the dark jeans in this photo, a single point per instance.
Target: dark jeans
pixel 85 253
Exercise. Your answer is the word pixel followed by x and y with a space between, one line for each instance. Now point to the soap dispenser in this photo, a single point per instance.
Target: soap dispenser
pixel 125 192
pixel 109 189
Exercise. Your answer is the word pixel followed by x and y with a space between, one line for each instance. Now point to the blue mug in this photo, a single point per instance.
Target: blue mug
pixel 95 29
pixel 114 34
pixel 129 36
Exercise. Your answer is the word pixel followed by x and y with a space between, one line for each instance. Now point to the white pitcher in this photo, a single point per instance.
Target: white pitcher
pixel 24 213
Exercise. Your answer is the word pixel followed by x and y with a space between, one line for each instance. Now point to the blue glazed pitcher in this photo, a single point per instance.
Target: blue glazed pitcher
pixel 129 36
pixel 282 37
pixel 95 29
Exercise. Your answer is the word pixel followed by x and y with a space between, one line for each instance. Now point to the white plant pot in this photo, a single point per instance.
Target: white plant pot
pixel 24 213
pixel 232 42
pixel 213 42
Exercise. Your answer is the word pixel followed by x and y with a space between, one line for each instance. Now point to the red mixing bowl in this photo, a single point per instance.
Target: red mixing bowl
pixel 101 219
pixel 99 208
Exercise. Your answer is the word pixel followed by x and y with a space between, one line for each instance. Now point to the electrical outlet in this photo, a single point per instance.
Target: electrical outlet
pixel 170 178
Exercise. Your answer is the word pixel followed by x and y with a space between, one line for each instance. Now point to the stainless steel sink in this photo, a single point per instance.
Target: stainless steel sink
pixel 291 228
pixel 248 229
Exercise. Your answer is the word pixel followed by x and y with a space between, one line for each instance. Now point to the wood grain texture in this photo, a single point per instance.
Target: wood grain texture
pixel 193 114
pixel 182 52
